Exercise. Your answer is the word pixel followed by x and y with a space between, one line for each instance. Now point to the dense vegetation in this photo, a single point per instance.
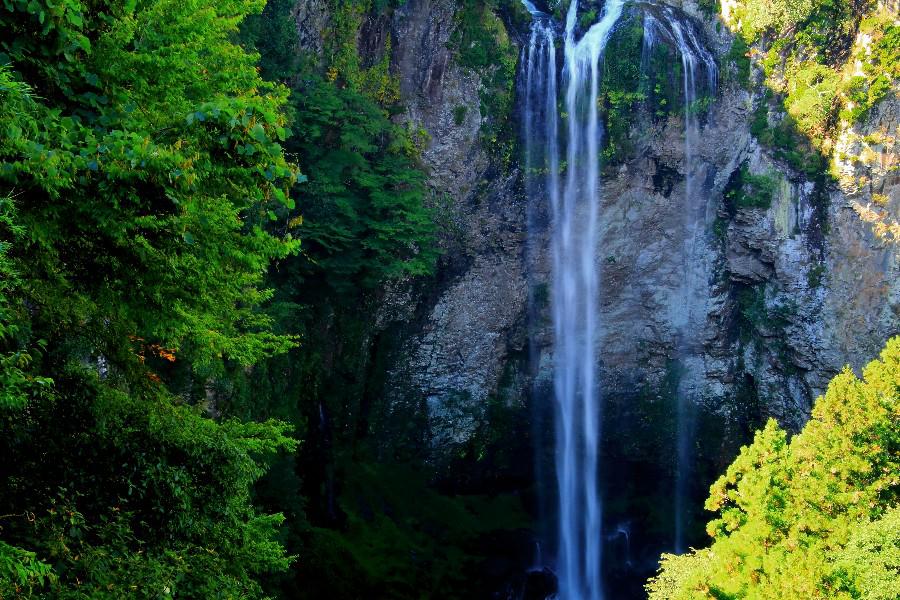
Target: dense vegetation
pixel 811 517
pixel 482 45
pixel 367 221
pixel 807 52
pixel 191 400
pixel 158 313
pixel 140 156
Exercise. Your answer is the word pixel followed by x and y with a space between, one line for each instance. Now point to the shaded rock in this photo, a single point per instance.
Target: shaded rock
pixel 540 585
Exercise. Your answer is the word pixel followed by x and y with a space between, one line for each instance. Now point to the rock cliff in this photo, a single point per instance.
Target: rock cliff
pixel 792 291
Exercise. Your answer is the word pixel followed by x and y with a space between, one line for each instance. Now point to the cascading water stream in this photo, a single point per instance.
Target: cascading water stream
pixel 574 214
pixel 575 293
pixel 689 304
pixel 538 90
pixel 574 200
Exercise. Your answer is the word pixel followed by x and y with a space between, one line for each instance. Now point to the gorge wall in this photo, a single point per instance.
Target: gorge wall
pixel 800 273
pixel 823 285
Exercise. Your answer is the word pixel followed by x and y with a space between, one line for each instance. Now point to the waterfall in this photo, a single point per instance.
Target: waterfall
pixel 573 200
pixel 689 306
pixel 575 293
pixel 538 91
pixel 574 215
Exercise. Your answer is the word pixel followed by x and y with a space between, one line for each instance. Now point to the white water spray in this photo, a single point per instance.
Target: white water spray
pixel 574 201
pixel 575 294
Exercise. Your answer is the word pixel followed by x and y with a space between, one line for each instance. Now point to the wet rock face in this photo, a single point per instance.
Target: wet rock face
pixel 311 17
pixel 792 292
pixel 433 86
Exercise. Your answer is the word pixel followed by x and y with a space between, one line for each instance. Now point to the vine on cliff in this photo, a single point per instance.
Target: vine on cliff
pixel 482 44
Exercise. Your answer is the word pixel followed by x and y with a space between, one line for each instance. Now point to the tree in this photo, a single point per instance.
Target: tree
pixel 365 219
pixel 146 169
pixel 142 181
pixel 810 517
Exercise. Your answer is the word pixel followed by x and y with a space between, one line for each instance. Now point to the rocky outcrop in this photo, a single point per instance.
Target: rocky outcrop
pixel 312 18
pixel 433 86
pixel 456 351
pixel 826 293
pixel 790 293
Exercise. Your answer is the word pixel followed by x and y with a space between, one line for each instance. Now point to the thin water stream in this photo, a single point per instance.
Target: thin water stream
pixel 699 70
pixel 574 301
pixel 574 198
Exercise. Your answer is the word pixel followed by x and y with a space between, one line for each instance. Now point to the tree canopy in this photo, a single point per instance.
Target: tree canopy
pixel 815 516
pixel 141 169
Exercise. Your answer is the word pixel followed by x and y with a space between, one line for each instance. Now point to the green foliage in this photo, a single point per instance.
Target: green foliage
pixel 482 44
pixel 514 12
pixel 700 106
pixel 148 179
pixel 365 224
pixel 815 276
pixel 720 229
pixel 21 572
pixel 811 517
pixel 403 539
pixel 814 23
pixel 621 92
pixel 16 378
pixel 134 494
pixel 868 566
pixel 812 100
pixel 751 191
pixel 881 70
pixel 709 7
pixel 761 320
pixel 808 57
pixel 343 60
pixel 587 18
pixel 273 34
pixel 479 35
pixel 364 217
pixel 664 81
pixel 788 143
pixel 182 147
pixel 736 64
pixel 459 114
pixel 632 82
pixel 752 306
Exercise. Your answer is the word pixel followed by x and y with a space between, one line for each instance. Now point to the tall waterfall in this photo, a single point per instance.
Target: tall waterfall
pixel 698 70
pixel 573 200
pixel 574 215
pixel 574 298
